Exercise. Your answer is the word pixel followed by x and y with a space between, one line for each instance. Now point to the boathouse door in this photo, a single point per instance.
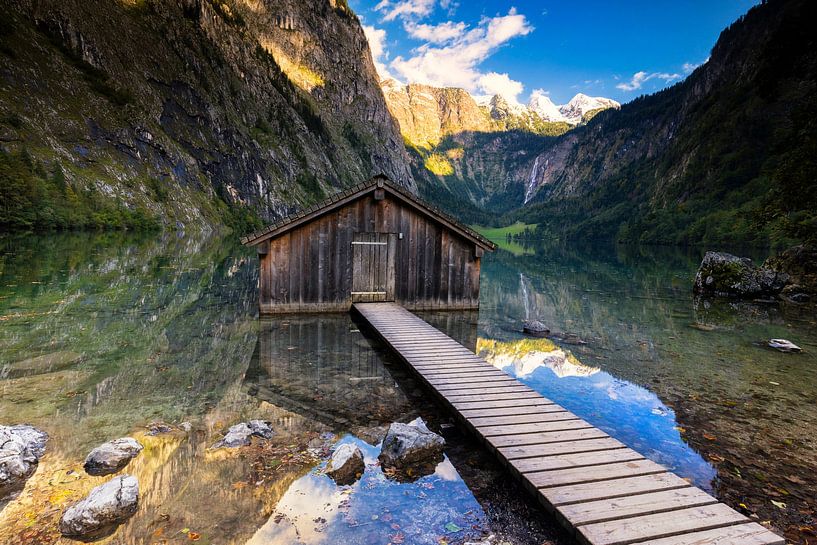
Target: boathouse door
pixel 373 256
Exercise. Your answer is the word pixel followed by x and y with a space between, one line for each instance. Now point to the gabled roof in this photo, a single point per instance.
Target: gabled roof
pixel 344 197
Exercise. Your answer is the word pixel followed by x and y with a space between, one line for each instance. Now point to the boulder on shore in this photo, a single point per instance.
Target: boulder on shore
pixel 727 275
pixel 346 464
pixel 535 328
pixel 241 434
pixel 112 456
pixel 21 448
pixel 412 443
pixel 105 507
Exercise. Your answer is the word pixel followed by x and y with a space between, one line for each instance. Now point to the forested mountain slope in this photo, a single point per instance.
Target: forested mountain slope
pixel 184 113
pixel 728 155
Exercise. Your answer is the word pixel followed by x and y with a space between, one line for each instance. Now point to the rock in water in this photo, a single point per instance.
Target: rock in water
pixel 241 434
pixel 784 346
pixel 21 448
pixel 105 507
pixel 535 328
pixel 407 444
pixel 724 274
pixel 156 428
pixel 346 464
pixel 112 456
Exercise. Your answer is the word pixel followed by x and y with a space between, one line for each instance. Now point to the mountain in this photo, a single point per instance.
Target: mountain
pixel 582 108
pixel 729 155
pixel 427 114
pixel 185 114
pixel 545 108
pixel 472 153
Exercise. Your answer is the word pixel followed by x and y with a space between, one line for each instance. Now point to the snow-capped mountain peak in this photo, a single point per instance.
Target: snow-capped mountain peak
pixel 581 104
pixel 547 110
pixel 542 106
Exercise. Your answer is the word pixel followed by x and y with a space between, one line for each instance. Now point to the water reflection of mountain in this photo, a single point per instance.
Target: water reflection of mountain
pixel 626 411
pixel 323 367
pixel 524 357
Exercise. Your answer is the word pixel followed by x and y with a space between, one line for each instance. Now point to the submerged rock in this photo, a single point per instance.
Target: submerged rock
pixel 724 274
pixel 21 448
pixel 784 346
pixel 112 456
pixel 535 328
pixel 412 443
pixel 155 428
pixel 105 507
pixel 241 434
pixel 346 464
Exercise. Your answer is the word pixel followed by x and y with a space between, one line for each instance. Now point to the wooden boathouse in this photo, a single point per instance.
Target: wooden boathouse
pixel 373 242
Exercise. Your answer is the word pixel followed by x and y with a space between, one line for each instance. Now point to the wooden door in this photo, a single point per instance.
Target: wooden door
pixel 373 257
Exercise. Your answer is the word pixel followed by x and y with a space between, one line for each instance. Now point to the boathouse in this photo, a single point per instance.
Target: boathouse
pixel 374 242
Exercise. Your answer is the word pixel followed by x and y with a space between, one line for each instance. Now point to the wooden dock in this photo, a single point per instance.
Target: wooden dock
pixel 602 491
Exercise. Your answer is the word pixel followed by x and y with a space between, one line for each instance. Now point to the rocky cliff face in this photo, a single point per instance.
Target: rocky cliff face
pixel 426 114
pixel 181 108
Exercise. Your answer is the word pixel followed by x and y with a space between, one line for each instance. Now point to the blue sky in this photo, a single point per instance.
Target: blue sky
pixel 614 49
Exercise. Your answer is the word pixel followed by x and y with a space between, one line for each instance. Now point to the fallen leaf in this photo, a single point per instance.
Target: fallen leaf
pixel 193 536
pixel 451 527
pixel 710 437
pixel 779 504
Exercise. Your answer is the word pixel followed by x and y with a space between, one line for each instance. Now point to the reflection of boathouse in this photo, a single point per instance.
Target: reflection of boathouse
pixel 323 368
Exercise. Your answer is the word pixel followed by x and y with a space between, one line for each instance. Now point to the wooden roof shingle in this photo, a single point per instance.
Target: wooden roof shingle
pixel 343 197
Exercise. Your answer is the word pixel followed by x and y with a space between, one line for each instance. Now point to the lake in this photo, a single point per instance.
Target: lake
pixel 106 335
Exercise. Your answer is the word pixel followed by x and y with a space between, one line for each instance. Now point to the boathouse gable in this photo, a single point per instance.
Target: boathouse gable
pixel 374 242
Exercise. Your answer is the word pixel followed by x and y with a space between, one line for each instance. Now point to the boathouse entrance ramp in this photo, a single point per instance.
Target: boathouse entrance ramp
pixel 603 492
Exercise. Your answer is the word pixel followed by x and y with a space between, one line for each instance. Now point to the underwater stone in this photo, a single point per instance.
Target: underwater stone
pixel 535 328
pixel 346 464
pixel 784 346
pixel 155 428
pixel 21 448
pixel 102 509
pixel 112 456
pixel 240 434
pixel 412 443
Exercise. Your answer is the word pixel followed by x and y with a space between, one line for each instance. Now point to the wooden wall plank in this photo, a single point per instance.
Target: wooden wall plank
pixel 311 266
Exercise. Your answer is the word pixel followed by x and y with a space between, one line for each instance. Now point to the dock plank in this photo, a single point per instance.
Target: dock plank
pixel 603 491
pixel 633 529
pixel 641 504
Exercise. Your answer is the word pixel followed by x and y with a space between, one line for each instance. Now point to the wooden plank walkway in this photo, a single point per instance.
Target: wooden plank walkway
pixel 602 491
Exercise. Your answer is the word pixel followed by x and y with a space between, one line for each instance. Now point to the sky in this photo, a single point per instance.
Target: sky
pixel 616 49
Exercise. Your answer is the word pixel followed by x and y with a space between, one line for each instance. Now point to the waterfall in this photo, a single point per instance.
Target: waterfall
pixel 532 182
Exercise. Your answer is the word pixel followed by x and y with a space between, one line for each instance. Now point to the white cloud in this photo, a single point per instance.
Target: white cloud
pixel 640 78
pixel 436 34
pixel 455 62
pixel 689 67
pixel 493 83
pixel 406 8
pixel 539 93
pixel 377 44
